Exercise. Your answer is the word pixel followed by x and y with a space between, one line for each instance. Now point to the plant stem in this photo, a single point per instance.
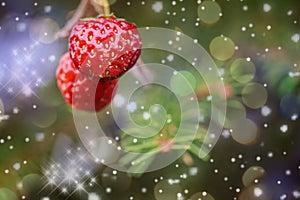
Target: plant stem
pixel 139 147
pixel 105 5
pixel 79 13
pixel 128 158
pixel 144 157
pixel 180 147
pixel 186 138
pixel 106 8
pixel 142 164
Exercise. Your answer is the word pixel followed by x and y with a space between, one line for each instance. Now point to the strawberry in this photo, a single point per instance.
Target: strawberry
pixel 80 92
pixel 104 47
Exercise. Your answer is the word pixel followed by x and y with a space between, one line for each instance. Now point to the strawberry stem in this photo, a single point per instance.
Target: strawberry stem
pixel 105 5
pixel 106 8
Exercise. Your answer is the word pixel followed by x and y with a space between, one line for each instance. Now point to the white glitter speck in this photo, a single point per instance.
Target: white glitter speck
pixel 157 6
pixel 47 9
pixel 295 38
pixel 296 194
pixel 93 196
pixel 17 166
pixel 119 100
pixel 267 7
pixel 284 128
pixel 265 111
pixel 131 107
pixel 146 115
pixel 258 192
pixel 170 57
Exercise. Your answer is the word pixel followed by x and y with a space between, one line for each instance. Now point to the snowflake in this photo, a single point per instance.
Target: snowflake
pixel 157 6
pixel 295 38
pixel 131 107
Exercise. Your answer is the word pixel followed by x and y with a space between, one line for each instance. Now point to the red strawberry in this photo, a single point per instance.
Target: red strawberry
pixel 105 47
pixel 79 91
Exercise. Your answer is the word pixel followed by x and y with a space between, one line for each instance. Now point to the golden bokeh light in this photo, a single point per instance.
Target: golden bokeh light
pixel 7 194
pixel 242 70
pixel 209 12
pixel 244 131
pixel 166 191
pixel 251 174
pixel 254 95
pixel 202 195
pixel 222 48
